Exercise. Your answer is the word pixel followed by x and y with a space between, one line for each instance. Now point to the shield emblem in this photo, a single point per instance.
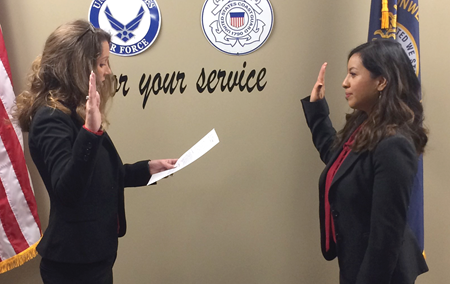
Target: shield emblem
pixel 237 19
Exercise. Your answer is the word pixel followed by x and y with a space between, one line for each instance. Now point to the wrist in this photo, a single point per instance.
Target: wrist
pixel 98 132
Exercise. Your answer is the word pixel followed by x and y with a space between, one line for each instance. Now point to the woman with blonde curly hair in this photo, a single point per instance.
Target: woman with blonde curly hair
pixel 64 111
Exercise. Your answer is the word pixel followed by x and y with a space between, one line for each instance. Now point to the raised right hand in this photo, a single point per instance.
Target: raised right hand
pixel 318 91
pixel 93 115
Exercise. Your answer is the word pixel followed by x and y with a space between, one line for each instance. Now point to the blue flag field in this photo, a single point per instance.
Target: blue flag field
pixel 399 20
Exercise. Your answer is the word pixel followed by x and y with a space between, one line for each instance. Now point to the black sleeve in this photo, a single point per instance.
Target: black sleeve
pixel 137 174
pixel 323 133
pixel 65 157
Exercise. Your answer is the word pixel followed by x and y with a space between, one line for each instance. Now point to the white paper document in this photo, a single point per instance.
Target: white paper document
pixel 198 150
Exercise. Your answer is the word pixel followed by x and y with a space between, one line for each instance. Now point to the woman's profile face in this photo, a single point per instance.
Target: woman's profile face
pixel 361 90
pixel 102 64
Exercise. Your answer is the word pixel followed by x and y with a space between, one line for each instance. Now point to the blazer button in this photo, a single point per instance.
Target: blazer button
pixel 86 158
pixel 89 145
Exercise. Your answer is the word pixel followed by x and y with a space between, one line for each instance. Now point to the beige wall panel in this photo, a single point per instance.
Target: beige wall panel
pixel 435 46
pixel 246 212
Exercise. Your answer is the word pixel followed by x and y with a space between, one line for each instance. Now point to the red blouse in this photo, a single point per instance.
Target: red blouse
pixel 329 223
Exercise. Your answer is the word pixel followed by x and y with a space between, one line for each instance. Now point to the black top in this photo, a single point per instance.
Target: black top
pixel 85 180
pixel 369 199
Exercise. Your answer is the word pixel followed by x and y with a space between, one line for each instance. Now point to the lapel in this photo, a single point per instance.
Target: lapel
pixel 108 143
pixel 346 165
pixel 351 158
pixel 111 149
pixel 113 154
pixel 329 164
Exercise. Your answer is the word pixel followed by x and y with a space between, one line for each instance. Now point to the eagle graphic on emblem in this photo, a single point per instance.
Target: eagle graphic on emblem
pixel 124 31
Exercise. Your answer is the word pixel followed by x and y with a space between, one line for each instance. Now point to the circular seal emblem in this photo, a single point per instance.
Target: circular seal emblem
pixel 133 24
pixel 237 27
pixel 405 38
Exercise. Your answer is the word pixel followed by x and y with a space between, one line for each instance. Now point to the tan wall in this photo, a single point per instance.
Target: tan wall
pixel 246 212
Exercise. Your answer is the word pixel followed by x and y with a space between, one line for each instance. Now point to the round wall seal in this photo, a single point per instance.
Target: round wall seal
pixel 133 24
pixel 237 27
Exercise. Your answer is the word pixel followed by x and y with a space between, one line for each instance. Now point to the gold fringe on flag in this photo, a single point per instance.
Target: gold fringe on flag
pixel 19 259
pixel 384 15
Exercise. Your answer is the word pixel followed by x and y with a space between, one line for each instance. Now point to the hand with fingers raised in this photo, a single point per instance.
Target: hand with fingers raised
pixel 318 91
pixel 93 114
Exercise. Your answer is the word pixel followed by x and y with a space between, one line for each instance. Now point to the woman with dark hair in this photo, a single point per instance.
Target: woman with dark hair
pixel 64 112
pixel 366 185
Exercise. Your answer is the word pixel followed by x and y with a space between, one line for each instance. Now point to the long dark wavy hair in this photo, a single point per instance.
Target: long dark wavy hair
pixel 398 110
pixel 60 76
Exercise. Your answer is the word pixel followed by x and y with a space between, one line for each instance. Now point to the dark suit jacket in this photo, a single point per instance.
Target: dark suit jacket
pixel 85 180
pixel 369 199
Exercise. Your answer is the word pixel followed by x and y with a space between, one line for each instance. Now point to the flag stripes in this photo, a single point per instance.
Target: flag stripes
pixel 20 228
pixel 237 19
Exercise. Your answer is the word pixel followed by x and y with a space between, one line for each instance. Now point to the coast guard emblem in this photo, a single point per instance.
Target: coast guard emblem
pixel 133 24
pixel 237 27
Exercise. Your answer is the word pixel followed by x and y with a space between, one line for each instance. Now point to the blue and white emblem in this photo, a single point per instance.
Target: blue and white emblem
pixel 237 27
pixel 133 24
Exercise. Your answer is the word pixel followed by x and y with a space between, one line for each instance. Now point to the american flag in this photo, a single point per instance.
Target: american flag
pixel 237 19
pixel 20 228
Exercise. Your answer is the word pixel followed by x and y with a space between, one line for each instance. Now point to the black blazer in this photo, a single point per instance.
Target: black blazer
pixel 369 199
pixel 85 180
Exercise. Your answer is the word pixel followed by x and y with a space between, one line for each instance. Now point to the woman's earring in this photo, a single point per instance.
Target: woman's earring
pixel 379 96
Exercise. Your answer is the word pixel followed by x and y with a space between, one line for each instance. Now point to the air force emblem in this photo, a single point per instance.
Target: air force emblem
pixel 133 25
pixel 237 27
pixel 125 31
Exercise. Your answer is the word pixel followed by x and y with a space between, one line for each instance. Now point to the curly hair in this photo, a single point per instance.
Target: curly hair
pixel 398 110
pixel 60 76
